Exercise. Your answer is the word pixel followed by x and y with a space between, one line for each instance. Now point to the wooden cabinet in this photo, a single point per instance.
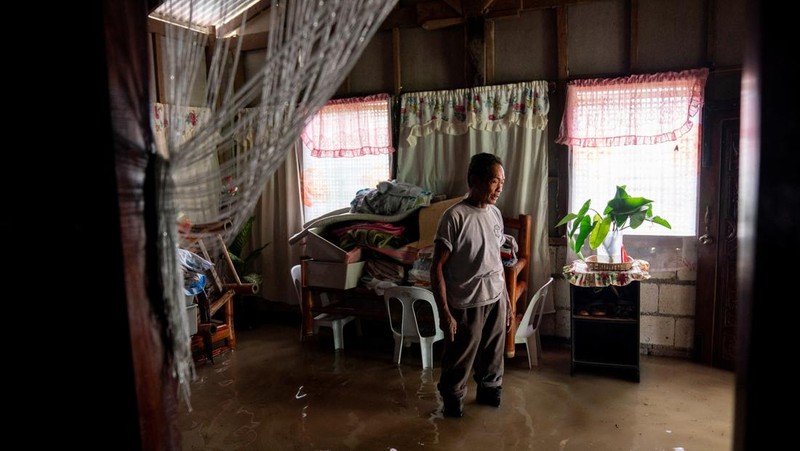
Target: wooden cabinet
pixel 605 328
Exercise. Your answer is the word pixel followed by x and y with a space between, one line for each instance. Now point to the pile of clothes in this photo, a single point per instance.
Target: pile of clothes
pixel 508 251
pixel 389 198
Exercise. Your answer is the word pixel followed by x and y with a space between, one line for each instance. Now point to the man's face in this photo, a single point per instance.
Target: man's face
pixel 490 189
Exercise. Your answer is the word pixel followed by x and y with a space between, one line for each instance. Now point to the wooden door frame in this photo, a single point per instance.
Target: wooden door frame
pixel 144 377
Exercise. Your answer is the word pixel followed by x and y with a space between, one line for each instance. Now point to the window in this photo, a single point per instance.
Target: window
pixel 641 131
pixel 346 147
pixel 331 183
pixel 665 173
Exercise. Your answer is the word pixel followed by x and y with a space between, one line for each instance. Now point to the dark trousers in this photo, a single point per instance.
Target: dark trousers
pixel 479 345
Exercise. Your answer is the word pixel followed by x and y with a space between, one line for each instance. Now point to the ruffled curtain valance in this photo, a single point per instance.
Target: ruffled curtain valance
pixel 350 128
pixel 490 108
pixel 634 110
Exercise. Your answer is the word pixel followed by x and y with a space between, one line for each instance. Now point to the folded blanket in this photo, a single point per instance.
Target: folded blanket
pixel 334 218
pixel 508 251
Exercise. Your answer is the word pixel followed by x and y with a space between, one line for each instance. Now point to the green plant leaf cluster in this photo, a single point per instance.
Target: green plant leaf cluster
pixel 244 263
pixel 621 212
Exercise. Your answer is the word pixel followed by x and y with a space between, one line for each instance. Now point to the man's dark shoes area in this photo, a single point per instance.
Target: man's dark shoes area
pixel 489 396
pixel 453 407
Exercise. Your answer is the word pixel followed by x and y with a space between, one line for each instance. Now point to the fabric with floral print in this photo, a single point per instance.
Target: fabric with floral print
pixel 579 274
pixel 490 108
pixel 175 124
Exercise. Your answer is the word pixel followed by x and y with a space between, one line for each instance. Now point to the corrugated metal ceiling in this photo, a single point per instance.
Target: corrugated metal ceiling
pixel 200 14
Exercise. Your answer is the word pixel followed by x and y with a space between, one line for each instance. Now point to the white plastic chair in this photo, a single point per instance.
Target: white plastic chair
pixel 411 330
pixel 335 322
pixel 528 327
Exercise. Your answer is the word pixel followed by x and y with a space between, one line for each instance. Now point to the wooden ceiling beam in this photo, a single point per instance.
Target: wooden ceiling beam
pixel 456 5
pixel 433 15
pixel 540 4
pixel 156 26
pixel 434 11
pixel 504 8
pixel 436 24
pixel 475 8
pixel 254 41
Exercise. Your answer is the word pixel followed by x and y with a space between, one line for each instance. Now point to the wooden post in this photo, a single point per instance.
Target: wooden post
pixel 475 64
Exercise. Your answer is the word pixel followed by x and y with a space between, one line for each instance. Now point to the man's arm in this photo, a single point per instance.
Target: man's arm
pixel 441 254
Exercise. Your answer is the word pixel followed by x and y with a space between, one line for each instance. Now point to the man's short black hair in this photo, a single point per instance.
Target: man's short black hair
pixel 480 166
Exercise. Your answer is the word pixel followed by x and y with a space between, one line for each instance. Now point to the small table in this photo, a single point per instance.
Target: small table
pixel 605 317
pixel 579 274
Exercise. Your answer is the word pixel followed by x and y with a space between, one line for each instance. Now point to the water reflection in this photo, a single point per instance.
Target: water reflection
pixel 275 393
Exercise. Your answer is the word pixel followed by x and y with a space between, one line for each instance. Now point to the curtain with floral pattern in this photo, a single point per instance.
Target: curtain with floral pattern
pixel 441 130
pixel 490 108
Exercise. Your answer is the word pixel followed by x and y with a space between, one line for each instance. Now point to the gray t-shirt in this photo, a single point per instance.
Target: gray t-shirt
pixel 474 272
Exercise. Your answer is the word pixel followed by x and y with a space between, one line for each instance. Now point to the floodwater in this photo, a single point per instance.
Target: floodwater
pixel 275 393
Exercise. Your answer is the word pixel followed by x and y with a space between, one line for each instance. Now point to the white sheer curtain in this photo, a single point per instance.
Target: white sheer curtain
pixel 441 130
pixel 635 110
pixel 350 127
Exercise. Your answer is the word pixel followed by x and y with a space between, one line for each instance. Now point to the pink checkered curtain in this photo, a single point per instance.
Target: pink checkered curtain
pixel 634 110
pixel 350 128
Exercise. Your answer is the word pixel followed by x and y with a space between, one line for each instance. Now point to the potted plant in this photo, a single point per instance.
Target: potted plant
pixel 621 212
pixel 244 264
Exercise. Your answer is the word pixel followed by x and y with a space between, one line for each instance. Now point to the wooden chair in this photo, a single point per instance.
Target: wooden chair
pixel 517 274
pixel 215 332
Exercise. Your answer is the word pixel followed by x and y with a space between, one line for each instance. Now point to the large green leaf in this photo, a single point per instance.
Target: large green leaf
pixel 253 278
pixel 620 212
pixel 628 205
pixel 241 238
pixel 569 217
pixel 235 259
pixel 661 221
pixel 637 218
pixel 585 207
pixel 600 231
pixel 586 228
pixel 579 218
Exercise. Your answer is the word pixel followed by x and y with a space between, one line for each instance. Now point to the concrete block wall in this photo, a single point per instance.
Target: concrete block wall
pixel 667 308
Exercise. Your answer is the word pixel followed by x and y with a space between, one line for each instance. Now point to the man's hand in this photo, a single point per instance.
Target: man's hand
pixel 448 325
pixel 509 316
